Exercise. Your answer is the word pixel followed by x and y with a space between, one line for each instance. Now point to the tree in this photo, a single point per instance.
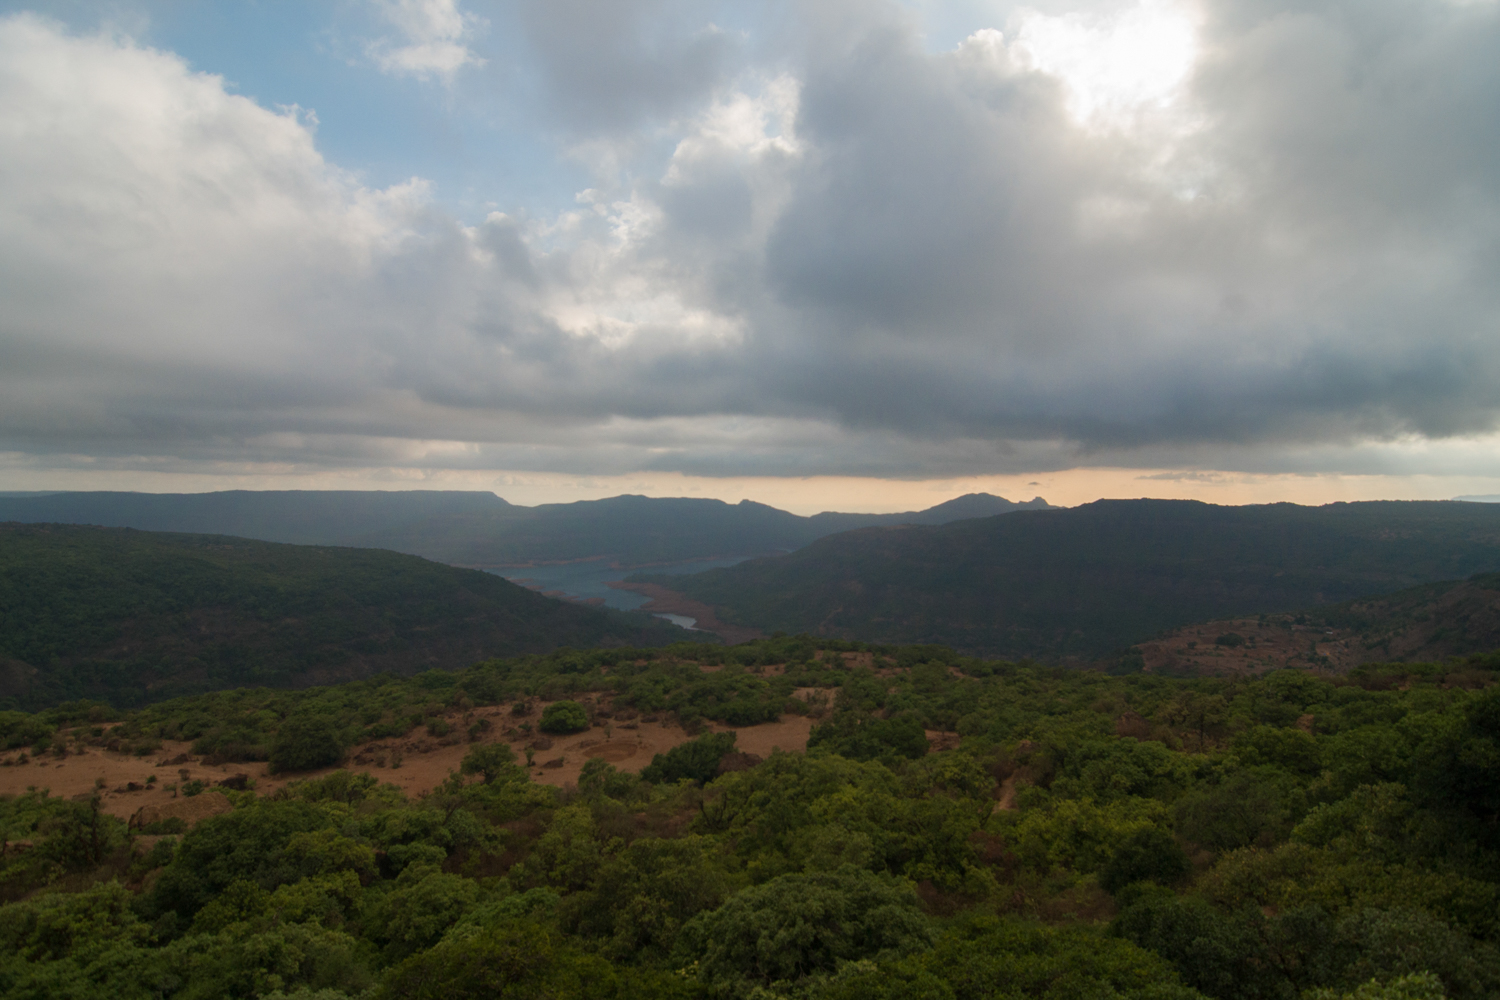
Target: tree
pixel 248 843
pixel 1417 986
pixel 641 899
pixel 1147 855
pixel 1292 750
pixel 424 903
pixel 982 957
pixel 858 736
pixel 489 760
pixel 696 760
pixel 779 934
pixel 305 743
pixel 564 717
pixel 514 960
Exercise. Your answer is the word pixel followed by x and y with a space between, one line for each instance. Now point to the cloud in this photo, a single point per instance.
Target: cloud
pixel 433 37
pixel 611 67
pixel 826 250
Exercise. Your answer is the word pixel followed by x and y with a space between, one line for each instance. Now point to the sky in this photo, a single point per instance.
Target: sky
pixel 824 254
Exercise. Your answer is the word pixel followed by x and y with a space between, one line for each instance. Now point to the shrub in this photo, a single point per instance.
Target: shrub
pixel 776 935
pixel 564 717
pixel 697 760
pixel 305 743
pixel 857 736
pixel 1148 855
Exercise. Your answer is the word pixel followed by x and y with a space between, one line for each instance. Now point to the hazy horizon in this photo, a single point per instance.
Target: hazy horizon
pixel 828 256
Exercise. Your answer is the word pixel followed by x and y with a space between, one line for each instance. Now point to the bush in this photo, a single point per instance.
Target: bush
pixel 564 717
pixel 697 760
pixel 778 934
pixel 305 743
pixel 1292 750
pixel 856 736
pixel 511 960
pixel 1148 855
pixel 491 761
pixel 749 713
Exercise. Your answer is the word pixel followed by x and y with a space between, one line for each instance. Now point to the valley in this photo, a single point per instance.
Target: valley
pixel 314 772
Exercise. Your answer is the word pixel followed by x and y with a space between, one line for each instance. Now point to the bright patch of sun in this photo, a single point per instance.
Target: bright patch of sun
pixel 1114 67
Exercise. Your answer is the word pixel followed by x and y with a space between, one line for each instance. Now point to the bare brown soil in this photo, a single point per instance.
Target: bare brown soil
pixel 416 763
pixel 938 740
pixel 670 602
pixel 189 809
pixel 1007 800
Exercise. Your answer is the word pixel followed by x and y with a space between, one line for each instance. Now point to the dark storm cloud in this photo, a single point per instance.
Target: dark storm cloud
pixel 860 257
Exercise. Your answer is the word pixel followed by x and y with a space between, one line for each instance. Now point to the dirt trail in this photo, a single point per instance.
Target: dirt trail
pixel 1007 800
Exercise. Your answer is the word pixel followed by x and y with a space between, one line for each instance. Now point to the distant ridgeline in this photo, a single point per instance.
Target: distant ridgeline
pixel 1084 582
pixel 128 616
pixel 480 529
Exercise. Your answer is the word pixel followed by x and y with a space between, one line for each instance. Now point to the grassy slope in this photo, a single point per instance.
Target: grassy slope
pixel 128 616
pixel 1084 581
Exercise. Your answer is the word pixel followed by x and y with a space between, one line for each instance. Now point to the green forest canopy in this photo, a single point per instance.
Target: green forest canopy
pixel 130 616
pixel 1288 836
pixel 1082 583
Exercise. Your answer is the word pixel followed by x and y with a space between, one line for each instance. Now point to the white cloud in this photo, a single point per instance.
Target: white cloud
pixel 434 36
pixel 1115 66
pixel 856 256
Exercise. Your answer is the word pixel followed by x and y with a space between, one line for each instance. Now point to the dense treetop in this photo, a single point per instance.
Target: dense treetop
pixel 1286 836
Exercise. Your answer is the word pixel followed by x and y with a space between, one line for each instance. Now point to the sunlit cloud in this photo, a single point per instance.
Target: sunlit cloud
pixel 433 38
pixel 1114 66
pixel 1190 241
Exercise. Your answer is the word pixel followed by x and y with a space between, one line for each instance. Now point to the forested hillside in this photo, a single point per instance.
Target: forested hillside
pixel 641 531
pixel 300 517
pixel 1084 582
pixel 130 616
pixel 1432 622
pixel 1061 834
pixel 480 529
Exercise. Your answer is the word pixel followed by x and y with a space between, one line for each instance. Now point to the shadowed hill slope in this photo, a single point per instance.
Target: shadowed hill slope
pixel 641 531
pixel 128 616
pixel 301 517
pixel 480 529
pixel 1431 623
pixel 1082 582
pixel 1428 623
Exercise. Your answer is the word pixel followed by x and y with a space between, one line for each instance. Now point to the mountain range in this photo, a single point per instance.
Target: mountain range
pixel 1081 583
pixel 481 529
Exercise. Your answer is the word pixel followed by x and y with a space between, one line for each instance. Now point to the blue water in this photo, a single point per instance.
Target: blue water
pixel 582 580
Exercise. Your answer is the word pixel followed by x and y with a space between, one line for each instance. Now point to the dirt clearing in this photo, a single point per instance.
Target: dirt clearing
pixel 415 763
